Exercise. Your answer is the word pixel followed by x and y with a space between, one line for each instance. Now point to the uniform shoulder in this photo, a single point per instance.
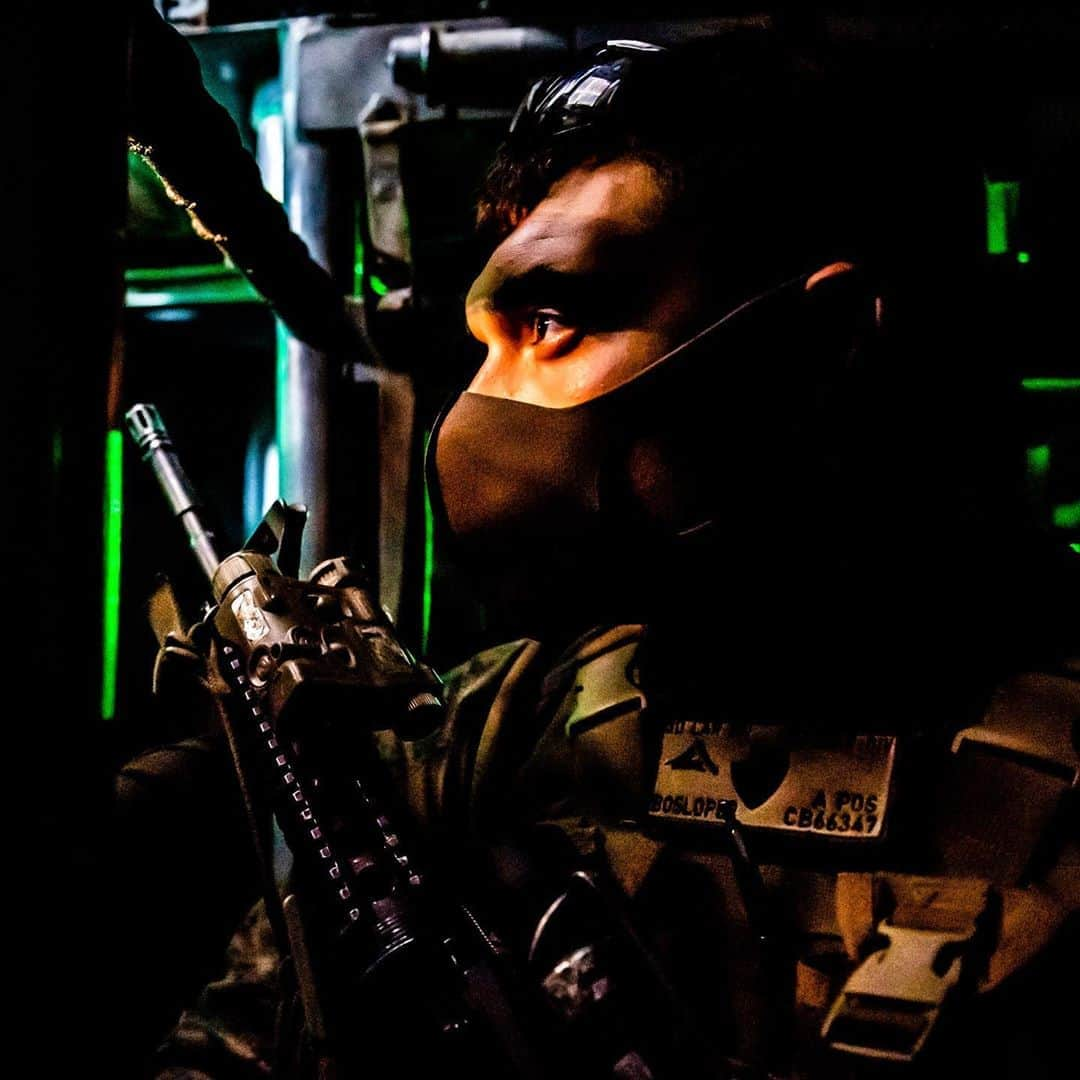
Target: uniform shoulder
pixel 1008 807
pixel 1035 716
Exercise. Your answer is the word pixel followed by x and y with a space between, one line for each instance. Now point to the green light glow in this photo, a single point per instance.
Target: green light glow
pixel 1038 461
pixel 1075 547
pixel 1023 257
pixel 373 282
pixel 114 509
pixel 1002 197
pixel 138 275
pixel 1051 384
pixel 358 256
pixel 1067 516
pixel 57 450
pixel 266 102
pixel 181 286
pixel 429 570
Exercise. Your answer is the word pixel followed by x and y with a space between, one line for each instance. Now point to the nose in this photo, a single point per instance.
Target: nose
pixel 500 372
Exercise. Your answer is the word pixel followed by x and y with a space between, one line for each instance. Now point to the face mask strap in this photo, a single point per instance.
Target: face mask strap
pixel 431 472
pixel 712 328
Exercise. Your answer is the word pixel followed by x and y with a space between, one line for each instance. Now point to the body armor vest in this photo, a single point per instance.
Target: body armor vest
pixel 822 906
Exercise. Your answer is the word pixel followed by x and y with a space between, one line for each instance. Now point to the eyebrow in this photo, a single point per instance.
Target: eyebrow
pixel 598 296
pixel 543 284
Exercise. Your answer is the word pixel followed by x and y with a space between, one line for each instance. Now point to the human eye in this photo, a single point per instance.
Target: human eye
pixel 551 331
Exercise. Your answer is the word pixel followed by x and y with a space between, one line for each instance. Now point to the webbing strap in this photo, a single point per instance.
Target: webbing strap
pixel 914 902
pixel 922 936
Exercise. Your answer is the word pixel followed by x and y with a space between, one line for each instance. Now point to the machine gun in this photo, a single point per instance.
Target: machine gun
pixel 314 667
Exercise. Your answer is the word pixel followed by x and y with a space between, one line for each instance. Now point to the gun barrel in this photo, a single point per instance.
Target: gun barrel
pixel 148 430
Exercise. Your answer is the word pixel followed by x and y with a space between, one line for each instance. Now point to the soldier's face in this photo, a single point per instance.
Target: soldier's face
pixel 588 289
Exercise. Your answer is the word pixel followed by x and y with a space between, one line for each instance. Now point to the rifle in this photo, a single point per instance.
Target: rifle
pixel 314 667
pixel 395 974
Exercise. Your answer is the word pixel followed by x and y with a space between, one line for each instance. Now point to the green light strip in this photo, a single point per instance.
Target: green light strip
pixel 1067 516
pixel 1051 384
pixel 158 274
pixel 237 290
pixel 1038 461
pixel 180 286
pixel 114 510
pixel 1002 197
pixel 429 570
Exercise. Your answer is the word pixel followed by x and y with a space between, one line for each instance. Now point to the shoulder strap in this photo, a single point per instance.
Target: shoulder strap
pixel 1009 788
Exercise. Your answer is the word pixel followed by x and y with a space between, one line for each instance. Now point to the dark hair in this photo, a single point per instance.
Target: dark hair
pixel 748 145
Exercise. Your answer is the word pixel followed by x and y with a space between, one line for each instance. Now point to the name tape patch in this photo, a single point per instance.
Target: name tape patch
pixel 839 791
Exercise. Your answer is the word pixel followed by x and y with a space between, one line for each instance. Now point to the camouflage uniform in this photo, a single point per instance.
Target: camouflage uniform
pixel 230 1029
pixel 981 843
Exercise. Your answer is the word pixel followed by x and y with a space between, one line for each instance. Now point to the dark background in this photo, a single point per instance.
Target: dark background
pixel 1002 83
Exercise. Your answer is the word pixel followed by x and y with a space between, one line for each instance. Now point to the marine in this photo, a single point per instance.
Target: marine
pixel 818 798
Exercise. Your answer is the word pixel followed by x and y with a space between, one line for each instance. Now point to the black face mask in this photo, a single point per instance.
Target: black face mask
pixel 768 498
pixel 571 517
